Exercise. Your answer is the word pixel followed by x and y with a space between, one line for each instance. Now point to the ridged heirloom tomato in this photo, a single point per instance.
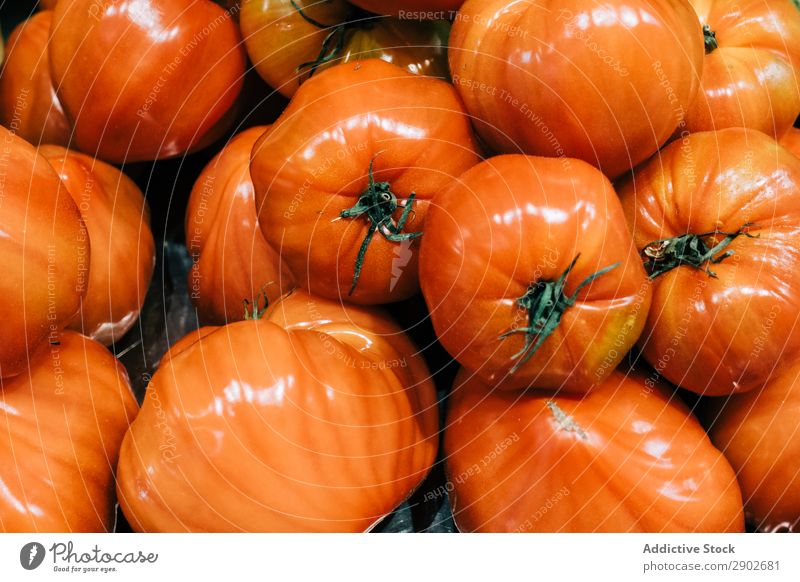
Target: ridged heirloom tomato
pixel 44 253
pixel 751 72
pixel 289 40
pixel 122 246
pixel 717 218
pixel 145 80
pixel 412 9
pixel 232 261
pixel 530 273
pixel 604 82
pixel 344 178
pixel 28 102
pixel 791 141
pixel 62 425
pixel 628 457
pixel 759 434
pixel 318 417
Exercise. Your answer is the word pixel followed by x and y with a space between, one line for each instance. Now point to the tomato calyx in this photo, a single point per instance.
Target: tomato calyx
pixel 565 421
pixel 663 255
pixel 378 204
pixel 255 309
pixel 709 39
pixel 335 41
pixel 546 302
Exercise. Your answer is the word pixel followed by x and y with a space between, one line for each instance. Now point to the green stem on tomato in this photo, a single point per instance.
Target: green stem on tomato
pixel 692 250
pixel 546 302
pixel 710 39
pixel 378 204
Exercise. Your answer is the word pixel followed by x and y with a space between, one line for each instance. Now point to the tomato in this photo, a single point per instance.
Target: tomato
pixel 751 68
pixel 604 83
pixel 122 251
pixel 28 103
pixel 63 422
pixel 628 457
pixel 44 253
pixel 530 274
pixel 327 429
pixel 791 141
pixel 717 217
pixel 412 9
pixel 344 178
pixel 232 261
pixel 758 433
pixel 284 42
pixel 145 80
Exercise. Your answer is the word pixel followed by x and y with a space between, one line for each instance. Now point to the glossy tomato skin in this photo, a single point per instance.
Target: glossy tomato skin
pixel 232 260
pixel 412 9
pixel 44 254
pixel 145 80
pixel 123 249
pixel 751 79
pixel 607 84
pixel 28 101
pixel 63 422
pixel 791 141
pixel 628 457
pixel 724 334
pixel 758 433
pixel 515 221
pixel 301 421
pixel 279 40
pixel 314 163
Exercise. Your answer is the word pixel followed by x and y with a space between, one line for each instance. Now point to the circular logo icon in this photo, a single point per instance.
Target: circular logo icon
pixel 31 555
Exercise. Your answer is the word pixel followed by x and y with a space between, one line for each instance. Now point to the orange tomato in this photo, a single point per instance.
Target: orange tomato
pixel 44 253
pixel 63 423
pixel 717 217
pixel 123 250
pixel 791 141
pixel 145 80
pixel 606 83
pixel 284 42
pixel 628 457
pixel 530 274
pixel 312 173
pixel 751 71
pixel 28 102
pixel 316 418
pixel 758 433
pixel 232 261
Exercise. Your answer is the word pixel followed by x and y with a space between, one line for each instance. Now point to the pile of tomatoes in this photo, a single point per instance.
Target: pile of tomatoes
pixel 510 266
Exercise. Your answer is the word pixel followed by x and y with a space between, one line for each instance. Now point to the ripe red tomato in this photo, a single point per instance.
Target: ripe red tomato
pixel 628 457
pixel 145 80
pixel 751 68
pixel 412 9
pixel 345 176
pixel 716 216
pixel 232 261
pixel 791 141
pixel 519 248
pixel 63 422
pixel 759 434
pixel 285 43
pixel 606 83
pixel 305 420
pixel 28 103
pixel 122 246
pixel 44 253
